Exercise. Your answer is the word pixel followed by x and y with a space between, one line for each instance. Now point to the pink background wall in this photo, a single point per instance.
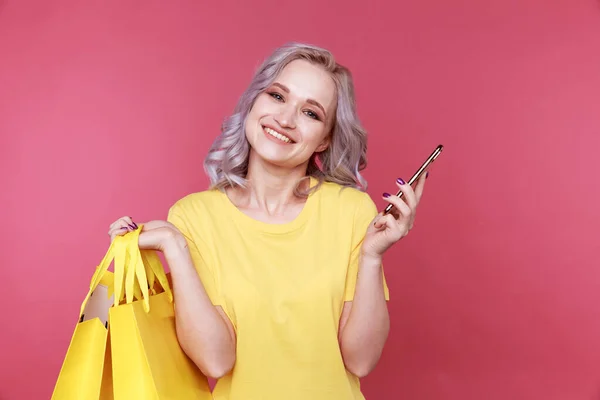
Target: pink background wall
pixel 107 109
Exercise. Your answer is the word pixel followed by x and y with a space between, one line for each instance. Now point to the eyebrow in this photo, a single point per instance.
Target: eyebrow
pixel 310 101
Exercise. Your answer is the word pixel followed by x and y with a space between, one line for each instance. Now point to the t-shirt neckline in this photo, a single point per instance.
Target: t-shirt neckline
pixel 244 219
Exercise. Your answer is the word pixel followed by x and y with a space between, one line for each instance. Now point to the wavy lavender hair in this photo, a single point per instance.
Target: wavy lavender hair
pixel 227 161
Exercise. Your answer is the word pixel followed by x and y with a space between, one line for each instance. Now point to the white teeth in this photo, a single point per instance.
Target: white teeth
pixel 277 135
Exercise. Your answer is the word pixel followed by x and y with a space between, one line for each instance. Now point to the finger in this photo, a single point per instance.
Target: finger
pixel 119 222
pixel 385 221
pixel 120 225
pixel 403 208
pixel 392 229
pixel 409 194
pixel 420 186
pixel 117 232
pixel 124 220
pixel 393 211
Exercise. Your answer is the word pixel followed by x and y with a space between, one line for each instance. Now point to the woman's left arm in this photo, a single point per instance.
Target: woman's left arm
pixel 365 322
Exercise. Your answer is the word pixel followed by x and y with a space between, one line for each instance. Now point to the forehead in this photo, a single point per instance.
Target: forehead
pixel 309 81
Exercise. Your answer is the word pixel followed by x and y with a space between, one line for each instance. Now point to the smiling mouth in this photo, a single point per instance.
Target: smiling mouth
pixel 277 135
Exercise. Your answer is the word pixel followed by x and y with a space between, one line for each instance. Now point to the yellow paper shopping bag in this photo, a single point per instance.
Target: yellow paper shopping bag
pixel 148 362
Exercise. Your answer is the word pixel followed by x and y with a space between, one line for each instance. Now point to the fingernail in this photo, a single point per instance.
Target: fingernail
pixel 131 226
pixel 135 225
pixel 386 195
pixel 400 181
pixel 427 175
pixel 124 227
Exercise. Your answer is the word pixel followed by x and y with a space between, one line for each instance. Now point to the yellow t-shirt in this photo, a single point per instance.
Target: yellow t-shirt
pixel 283 286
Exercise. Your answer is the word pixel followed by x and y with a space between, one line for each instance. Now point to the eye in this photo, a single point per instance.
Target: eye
pixel 276 96
pixel 312 114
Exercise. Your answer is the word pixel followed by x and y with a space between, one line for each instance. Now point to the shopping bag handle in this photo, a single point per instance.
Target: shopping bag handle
pixel 101 274
pixel 139 269
pixel 135 272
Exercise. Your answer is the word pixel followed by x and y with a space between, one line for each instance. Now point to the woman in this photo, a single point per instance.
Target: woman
pixel 277 268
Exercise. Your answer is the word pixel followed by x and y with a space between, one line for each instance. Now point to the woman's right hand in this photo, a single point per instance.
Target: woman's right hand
pixel 155 235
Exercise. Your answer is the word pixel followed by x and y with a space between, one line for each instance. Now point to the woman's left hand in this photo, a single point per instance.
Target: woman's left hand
pixel 385 230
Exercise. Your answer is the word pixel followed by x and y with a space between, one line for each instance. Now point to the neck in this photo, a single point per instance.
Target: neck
pixel 270 188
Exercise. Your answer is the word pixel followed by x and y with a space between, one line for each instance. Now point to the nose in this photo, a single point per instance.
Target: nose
pixel 286 117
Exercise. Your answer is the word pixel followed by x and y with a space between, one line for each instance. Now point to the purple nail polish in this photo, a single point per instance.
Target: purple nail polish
pixel 400 181
pixel 131 226
pixel 135 225
pixel 427 175
pixel 386 195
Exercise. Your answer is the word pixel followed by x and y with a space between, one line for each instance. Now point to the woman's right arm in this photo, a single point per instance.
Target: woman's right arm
pixel 203 330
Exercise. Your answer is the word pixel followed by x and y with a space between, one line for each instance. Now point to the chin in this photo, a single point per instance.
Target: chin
pixel 270 157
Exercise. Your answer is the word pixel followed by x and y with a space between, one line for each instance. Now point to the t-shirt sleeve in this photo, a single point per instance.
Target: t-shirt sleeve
pixel 364 214
pixel 199 251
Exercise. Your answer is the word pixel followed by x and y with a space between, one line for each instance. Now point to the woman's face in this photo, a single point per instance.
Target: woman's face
pixel 292 118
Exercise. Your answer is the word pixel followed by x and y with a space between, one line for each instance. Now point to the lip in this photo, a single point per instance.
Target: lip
pixel 278 131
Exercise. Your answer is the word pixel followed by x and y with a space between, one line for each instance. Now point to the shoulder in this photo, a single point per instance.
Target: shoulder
pixel 349 200
pixel 197 213
pixel 197 202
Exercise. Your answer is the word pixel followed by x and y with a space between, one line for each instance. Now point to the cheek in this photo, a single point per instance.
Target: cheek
pixel 261 106
pixel 250 127
pixel 314 134
pixel 253 118
pixel 320 130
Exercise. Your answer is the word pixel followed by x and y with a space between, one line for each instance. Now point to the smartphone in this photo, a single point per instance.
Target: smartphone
pixel 417 175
